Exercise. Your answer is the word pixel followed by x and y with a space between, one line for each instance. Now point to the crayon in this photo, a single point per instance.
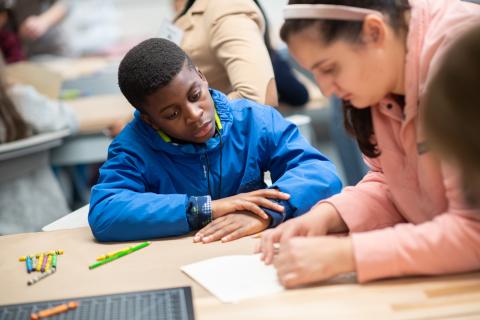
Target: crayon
pixel 28 263
pixel 41 276
pixel 112 253
pixel 39 263
pixel 44 263
pixel 119 255
pixel 49 263
pixel 57 252
pixel 54 311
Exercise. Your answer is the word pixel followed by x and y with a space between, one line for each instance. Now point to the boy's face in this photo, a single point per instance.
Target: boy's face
pixel 183 109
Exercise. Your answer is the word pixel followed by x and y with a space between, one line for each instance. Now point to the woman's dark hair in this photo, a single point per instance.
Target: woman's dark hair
pixel 358 122
pixel 12 24
pixel 15 127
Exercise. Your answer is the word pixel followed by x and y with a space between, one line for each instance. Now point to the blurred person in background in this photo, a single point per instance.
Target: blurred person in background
pixel 38 25
pixel 34 199
pixel 225 40
pixel 452 112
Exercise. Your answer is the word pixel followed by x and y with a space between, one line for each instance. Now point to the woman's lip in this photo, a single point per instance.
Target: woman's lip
pixel 205 129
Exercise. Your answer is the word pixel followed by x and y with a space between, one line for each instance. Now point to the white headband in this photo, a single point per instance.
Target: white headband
pixel 327 11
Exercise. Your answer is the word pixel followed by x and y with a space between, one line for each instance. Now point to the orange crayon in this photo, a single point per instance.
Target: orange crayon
pixel 54 311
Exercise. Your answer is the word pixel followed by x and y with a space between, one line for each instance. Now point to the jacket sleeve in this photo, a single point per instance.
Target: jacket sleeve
pixel 297 168
pixel 241 50
pixel 122 208
pixel 450 243
pixel 374 207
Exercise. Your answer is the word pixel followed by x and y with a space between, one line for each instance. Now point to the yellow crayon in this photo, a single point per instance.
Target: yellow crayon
pixel 111 254
pixel 57 252
pixel 49 263
pixel 24 258
pixel 39 263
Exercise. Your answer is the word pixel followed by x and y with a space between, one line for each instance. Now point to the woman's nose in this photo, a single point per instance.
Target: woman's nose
pixel 325 85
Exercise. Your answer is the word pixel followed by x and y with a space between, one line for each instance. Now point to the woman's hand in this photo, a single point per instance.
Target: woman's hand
pixel 319 221
pixel 301 261
pixel 231 227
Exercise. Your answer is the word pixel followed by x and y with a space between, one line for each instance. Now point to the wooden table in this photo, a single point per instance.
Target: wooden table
pixel 157 266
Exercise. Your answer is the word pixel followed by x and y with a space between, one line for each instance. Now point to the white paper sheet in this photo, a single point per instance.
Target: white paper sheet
pixel 234 278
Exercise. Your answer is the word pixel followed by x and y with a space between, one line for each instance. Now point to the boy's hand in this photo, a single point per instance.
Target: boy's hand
pixel 251 201
pixel 231 227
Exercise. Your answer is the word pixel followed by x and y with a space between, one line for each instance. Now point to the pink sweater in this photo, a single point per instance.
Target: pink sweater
pixel 407 216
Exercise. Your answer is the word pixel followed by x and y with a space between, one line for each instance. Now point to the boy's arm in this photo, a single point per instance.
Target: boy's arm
pixel 297 168
pixel 122 209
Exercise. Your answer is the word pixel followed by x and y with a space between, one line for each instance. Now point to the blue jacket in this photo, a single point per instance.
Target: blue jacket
pixel 146 185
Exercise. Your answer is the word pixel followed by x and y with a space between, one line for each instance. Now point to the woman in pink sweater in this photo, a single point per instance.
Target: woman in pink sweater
pixel 408 215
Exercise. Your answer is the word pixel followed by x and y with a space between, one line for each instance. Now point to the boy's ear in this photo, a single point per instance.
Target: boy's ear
pixel 374 31
pixel 146 118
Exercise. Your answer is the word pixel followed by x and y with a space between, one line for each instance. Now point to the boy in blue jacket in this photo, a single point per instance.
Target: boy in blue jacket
pixel 192 159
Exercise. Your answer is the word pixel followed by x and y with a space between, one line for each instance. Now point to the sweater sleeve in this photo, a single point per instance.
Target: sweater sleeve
pixel 374 207
pixel 449 243
pixel 42 113
pixel 297 168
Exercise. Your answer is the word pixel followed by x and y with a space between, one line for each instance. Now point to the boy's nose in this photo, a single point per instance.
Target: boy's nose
pixel 194 113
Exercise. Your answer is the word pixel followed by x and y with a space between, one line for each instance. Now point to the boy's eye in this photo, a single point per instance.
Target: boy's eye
pixel 195 96
pixel 173 115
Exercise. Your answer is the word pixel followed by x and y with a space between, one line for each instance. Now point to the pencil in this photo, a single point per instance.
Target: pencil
pixel 118 255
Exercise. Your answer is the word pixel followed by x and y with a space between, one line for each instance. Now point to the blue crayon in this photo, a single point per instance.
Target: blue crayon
pixel 28 262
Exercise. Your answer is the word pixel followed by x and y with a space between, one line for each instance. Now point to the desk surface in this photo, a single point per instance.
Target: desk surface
pixel 158 267
pixel 96 113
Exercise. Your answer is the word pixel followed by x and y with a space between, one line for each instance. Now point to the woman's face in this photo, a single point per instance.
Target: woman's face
pixel 361 73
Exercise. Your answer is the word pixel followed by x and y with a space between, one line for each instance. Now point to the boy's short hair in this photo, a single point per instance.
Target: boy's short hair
pixel 149 66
